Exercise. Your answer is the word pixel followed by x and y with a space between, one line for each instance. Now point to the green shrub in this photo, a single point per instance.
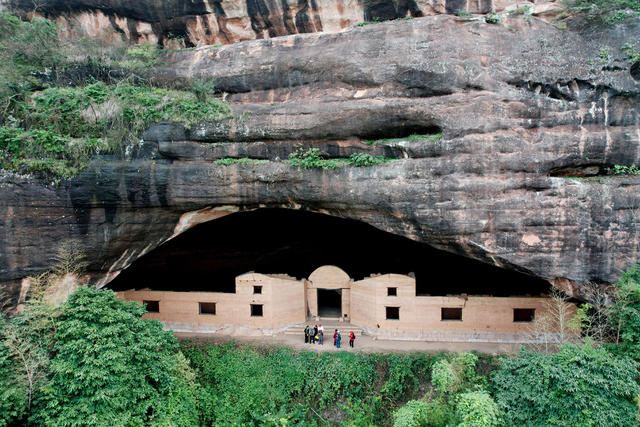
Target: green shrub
pixel 493 18
pixel 623 170
pixel 142 57
pixel 109 366
pixel 449 377
pixel 365 159
pixel 312 159
pixel 202 89
pixel 413 414
pixel 580 385
pixel 477 409
pixel 443 377
pixel 97 92
pixel 632 53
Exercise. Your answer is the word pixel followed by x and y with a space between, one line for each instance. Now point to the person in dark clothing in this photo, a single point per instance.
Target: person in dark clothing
pixel 352 338
pixel 335 334
pixel 306 334
pixel 315 334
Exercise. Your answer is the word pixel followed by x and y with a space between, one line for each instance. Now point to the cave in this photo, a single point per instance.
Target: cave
pixel 209 256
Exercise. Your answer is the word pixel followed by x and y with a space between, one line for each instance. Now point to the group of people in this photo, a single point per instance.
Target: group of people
pixel 316 335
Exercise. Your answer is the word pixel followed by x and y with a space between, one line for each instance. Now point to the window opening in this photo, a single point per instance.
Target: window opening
pixel 256 310
pixel 393 313
pixel 524 314
pixel 451 313
pixel 207 308
pixel 152 306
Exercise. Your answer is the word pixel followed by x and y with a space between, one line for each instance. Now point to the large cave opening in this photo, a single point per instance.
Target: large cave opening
pixel 209 256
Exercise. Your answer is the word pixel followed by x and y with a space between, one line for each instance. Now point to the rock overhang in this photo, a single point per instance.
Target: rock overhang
pixel 510 112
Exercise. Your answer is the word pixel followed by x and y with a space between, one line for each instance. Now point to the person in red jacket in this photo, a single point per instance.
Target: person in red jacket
pixel 352 338
pixel 335 335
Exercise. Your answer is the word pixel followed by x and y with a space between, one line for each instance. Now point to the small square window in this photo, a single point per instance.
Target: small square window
pixel 207 308
pixel 257 289
pixel 152 306
pixel 392 292
pixel 256 310
pixel 451 313
pixel 393 313
pixel 524 314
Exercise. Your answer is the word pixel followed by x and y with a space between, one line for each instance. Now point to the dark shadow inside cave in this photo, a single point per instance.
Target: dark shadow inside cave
pixel 209 256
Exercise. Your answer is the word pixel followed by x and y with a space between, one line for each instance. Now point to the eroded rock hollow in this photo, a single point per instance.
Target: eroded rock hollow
pixel 522 106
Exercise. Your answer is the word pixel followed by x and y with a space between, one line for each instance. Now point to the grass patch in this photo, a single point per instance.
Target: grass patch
pixel 411 138
pixel 244 161
pixel 377 21
pixel 312 159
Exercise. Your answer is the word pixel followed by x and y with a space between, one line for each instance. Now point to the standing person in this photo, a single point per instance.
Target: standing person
pixel 338 339
pixel 320 337
pixel 306 334
pixel 335 334
pixel 315 334
pixel 352 338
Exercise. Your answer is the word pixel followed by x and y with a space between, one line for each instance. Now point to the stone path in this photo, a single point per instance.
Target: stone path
pixel 362 343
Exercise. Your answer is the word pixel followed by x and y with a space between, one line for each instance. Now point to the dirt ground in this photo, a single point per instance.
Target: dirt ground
pixel 362 343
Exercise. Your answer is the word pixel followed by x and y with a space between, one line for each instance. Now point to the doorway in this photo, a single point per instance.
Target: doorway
pixel 330 302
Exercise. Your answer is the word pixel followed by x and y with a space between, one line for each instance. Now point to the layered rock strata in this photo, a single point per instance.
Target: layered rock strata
pixel 174 23
pixel 520 105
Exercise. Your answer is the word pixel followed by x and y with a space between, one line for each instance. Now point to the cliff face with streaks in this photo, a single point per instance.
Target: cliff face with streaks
pixel 174 23
pixel 520 105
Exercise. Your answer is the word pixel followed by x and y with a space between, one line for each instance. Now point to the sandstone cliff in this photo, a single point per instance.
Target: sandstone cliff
pixel 174 23
pixel 519 104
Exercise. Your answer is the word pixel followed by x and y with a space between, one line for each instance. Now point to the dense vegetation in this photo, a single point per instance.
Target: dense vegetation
pixel 53 126
pixel 94 361
pixel 608 11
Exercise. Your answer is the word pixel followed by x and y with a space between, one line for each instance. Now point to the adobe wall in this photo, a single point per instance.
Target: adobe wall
pixel 282 300
pixel 487 319
pixel 287 301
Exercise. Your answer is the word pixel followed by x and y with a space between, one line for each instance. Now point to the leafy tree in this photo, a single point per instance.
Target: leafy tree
pixel 580 385
pixel 625 313
pixel 109 366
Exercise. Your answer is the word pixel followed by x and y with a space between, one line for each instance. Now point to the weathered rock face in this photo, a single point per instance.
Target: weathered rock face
pixel 518 104
pixel 175 23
